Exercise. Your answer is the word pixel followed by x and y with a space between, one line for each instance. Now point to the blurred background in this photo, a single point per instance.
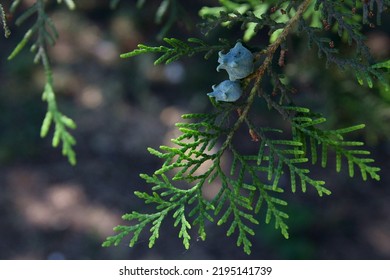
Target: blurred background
pixel 51 210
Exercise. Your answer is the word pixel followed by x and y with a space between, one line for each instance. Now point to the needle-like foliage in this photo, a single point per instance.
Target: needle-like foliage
pixel 209 151
pixel 45 34
pixel 3 18
pixel 250 184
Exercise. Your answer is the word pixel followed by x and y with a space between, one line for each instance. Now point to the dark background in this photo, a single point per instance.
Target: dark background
pixel 51 210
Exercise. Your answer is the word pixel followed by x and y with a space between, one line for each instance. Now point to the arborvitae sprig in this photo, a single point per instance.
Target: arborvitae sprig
pixel 247 183
pixel 176 49
pixel 231 18
pixel 338 14
pixel 252 16
pixel 45 34
pixel 361 67
pixel 233 203
pixel 205 153
pixel 384 77
pixel 3 21
pixel 253 180
pixel 305 130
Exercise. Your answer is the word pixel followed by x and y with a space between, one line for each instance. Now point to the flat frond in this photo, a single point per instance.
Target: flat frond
pixel 251 184
pixel 45 33
pixel 334 140
pixel 175 50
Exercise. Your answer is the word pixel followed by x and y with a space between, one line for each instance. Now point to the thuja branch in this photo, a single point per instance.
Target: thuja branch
pixel 304 127
pixel 46 34
pixel 254 180
pixel 3 17
pixel 176 49
pixel 191 154
pixel 259 73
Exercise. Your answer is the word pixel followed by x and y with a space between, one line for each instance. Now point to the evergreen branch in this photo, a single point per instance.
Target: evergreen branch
pixel 384 68
pixel 229 19
pixel 252 16
pixel 176 50
pixel 188 155
pixel 180 217
pixel 334 139
pixel 46 33
pixel 171 200
pixel 239 216
pixel 193 150
pixel 3 17
pixel 194 161
pixel 335 11
pixel 383 64
pixel 304 126
pixel 62 124
pixel 285 153
pixel 201 210
pixel 254 180
pixel 362 66
pixel 252 167
pixel 142 221
pixel 239 197
pixel 166 203
pixel 368 8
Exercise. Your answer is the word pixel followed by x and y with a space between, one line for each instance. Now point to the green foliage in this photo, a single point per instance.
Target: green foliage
pixel 234 201
pixel 384 66
pixel 45 34
pixel 347 26
pixel 3 18
pixel 176 50
pixel 250 183
pixel 305 130
pixel 209 151
pixel 61 124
